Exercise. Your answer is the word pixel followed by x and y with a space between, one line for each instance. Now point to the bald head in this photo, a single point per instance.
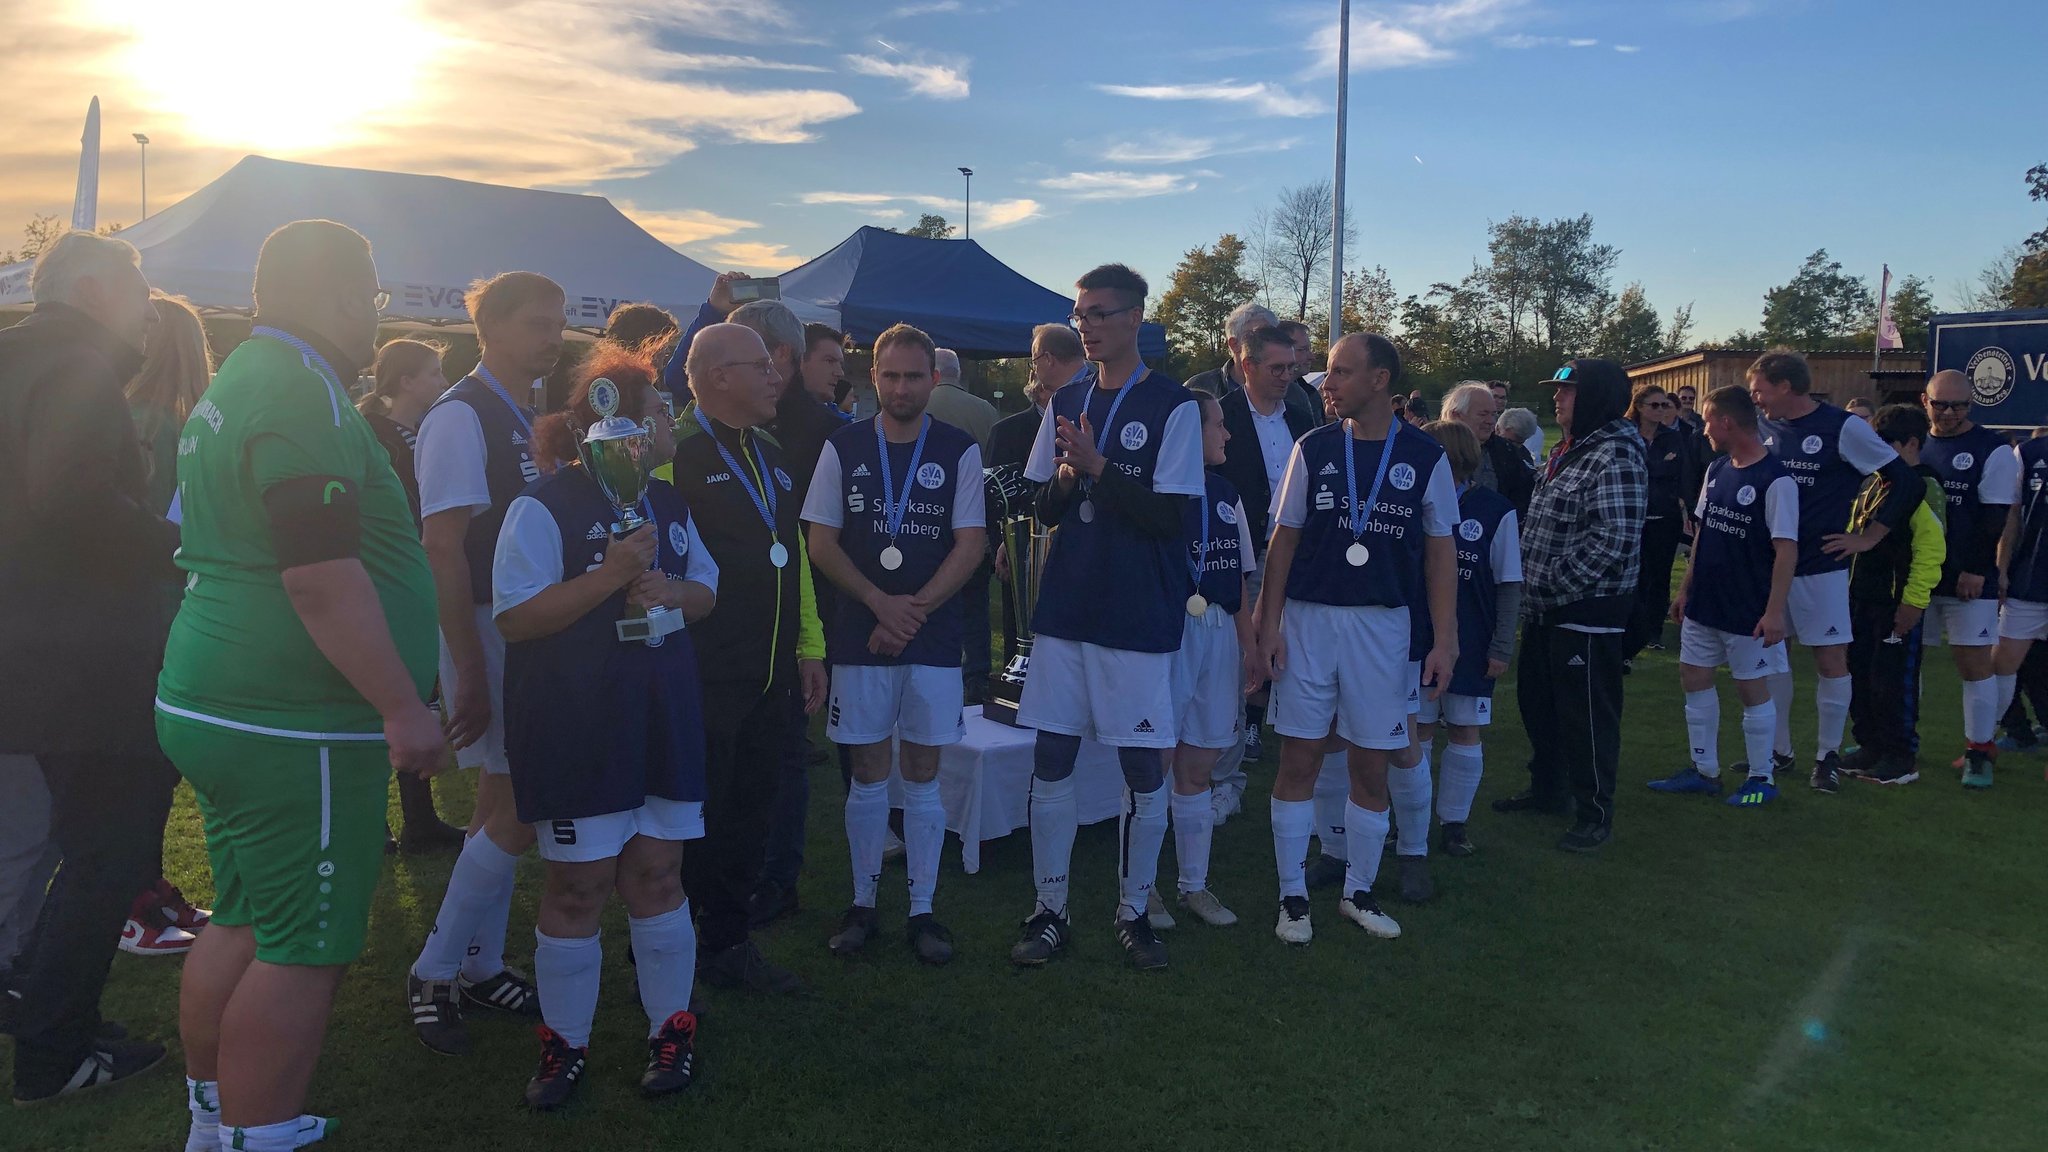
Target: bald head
pixel 732 375
pixel 317 275
pixel 1948 402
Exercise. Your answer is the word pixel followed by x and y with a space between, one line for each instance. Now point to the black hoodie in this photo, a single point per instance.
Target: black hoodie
pixel 1581 542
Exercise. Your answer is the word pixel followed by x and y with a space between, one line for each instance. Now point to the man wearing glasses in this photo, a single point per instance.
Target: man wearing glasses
pixel 1979 473
pixel 1828 452
pixel 1118 457
pixel 1229 376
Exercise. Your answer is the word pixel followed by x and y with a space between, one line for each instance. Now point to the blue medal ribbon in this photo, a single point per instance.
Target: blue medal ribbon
pixel 1108 420
pixel 1361 516
pixel 307 352
pixel 892 511
pixel 525 423
pixel 765 507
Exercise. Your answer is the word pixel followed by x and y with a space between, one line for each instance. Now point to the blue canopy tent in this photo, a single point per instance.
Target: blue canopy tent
pixel 966 299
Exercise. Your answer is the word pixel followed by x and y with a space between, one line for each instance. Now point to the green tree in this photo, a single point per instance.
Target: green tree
pixel 1453 332
pixel 1821 307
pixel 1369 304
pixel 1678 331
pixel 1207 284
pixel 1511 275
pixel 1571 287
pixel 931 226
pixel 39 233
pixel 1631 331
pixel 2030 282
pixel 2037 189
pixel 1912 304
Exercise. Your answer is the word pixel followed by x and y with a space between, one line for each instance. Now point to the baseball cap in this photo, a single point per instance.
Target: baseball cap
pixel 1591 370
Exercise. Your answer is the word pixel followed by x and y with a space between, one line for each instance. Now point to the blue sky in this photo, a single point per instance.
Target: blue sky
pixel 1716 142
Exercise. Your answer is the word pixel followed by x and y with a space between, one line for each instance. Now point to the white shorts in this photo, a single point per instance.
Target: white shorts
pixel 2023 620
pixel 1415 687
pixel 1208 682
pixel 1464 711
pixel 872 702
pixel 1817 611
pixel 590 838
pixel 1964 623
pixel 1116 697
pixel 1747 657
pixel 1347 665
pixel 488 753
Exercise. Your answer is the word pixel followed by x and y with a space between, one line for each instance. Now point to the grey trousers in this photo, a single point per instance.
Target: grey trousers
pixel 27 854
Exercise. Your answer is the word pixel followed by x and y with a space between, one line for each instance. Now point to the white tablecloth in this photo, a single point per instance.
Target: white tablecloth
pixel 985 783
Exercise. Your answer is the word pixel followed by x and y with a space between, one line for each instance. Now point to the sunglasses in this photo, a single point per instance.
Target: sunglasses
pixel 1949 405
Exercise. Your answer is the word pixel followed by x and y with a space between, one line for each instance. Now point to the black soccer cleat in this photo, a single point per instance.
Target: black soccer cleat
pixel 509 991
pixel 1145 950
pixel 1044 936
pixel 856 928
pixel 1452 841
pixel 561 1069
pixel 1827 774
pixel 929 940
pixel 437 1015
pixel 671 1057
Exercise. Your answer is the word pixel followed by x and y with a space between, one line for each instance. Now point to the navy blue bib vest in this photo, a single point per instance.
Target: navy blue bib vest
pixel 2029 574
pixel 1392 575
pixel 508 468
pixel 1222 580
pixel 1731 581
pixel 1960 462
pixel 1480 512
pixel 925 538
pixel 593 724
pixel 1810 449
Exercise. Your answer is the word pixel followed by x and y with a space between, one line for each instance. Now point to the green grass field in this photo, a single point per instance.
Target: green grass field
pixel 1862 971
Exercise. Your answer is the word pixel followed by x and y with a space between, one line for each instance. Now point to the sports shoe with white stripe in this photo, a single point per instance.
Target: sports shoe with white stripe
pixel 108 1062
pixel 561 1069
pixel 1045 934
pixel 437 1015
pixel 671 1057
pixel 508 991
pixel 1361 909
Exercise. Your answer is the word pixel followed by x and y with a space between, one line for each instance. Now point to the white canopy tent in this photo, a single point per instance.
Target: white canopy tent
pixel 431 237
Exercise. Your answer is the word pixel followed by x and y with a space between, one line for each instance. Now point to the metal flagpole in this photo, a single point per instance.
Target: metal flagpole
pixel 1337 182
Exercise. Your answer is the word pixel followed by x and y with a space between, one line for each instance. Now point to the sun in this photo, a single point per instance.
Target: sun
pixel 282 77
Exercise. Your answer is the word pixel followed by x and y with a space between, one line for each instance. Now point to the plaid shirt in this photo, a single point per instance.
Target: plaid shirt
pixel 1582 539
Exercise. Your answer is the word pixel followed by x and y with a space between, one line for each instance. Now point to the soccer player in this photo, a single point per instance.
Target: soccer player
pixel 1828 452
pixel 1979 472
pixel 1218 658
pixel 1117 458
pixel 1731 609
pixel 1361 538
pixel 294 683
pixel 475 456
pixel 605 736
pixel 2023 619
pixel 896 522
pixel 1489 607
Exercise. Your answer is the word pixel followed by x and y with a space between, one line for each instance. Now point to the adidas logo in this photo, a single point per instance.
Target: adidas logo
pixel 1761 663
pixel 596 532
pixel 1832 631
pixel 1397 730
pixel 1575 662
pixel 1328 470
pixel 1144 728
pixel 861 470
pixel 518 439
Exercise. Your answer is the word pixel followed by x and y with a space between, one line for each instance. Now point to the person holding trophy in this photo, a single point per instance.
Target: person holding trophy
pixel 597 568
pixel 897 522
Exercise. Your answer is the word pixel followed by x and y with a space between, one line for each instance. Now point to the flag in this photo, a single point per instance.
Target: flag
pixel 1887 328
pixel 85 204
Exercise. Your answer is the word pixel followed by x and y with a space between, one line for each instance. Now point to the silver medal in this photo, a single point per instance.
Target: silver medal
pixel 779 555
pixel 1198 605
pixel 892 558
pixel 1357 555
pixel 1087 511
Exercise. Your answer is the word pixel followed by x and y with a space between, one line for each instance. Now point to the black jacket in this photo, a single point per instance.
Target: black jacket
pixel 83 558
pixel 1514 474
pixel 1244 464
pixel 1010 442
pixel 1672 485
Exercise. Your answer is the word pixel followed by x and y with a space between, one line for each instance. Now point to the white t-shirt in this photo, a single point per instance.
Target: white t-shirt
pixel 2001 478
pixel 825 503
pixel 449 461
pixel 1535 445
pixel 2016 491
pixel 1439 498
pixel 1276 442
pixel 529 558
pixel 1506 553
pixel 1177 471
pixel 1860 445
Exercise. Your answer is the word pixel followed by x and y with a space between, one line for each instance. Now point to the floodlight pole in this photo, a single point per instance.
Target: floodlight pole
pixel 143 140
pixel 1337 180
pixel 967 206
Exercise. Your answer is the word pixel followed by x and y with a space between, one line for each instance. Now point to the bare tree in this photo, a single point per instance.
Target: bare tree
pixel 1992 288
pixel 1292 243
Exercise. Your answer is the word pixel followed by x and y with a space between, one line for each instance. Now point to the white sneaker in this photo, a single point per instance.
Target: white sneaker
pixel 1361 909
pixel 892 847
pixel 1156 913
pixel 1293 926
pixel 1226 802
pixel 1204 904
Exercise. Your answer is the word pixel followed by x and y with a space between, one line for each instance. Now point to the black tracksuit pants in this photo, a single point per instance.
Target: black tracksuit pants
pixel 747 731
pixel 1653 589
pixel 1568 684
pixel 1884 680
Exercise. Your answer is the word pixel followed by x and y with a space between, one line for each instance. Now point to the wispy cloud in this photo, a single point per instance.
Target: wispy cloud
pixel 714 62
pixel 679 226
pixel 991 215
pixel 1414 35
pixel 925 77
pixel 909 10
pixel 1119 185
pixel 1627 48
pixel 754 256
pixel 1522 40
pixel 1174 148
pixel 1262 98
pixel 1582 42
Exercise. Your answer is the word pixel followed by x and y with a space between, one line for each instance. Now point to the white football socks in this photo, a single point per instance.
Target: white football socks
pixel 1366 832
pixel 665 958
pixel 202 1099
pixel 1781 700
pixel 278 1137
pixel 1980 710
pixel 567 972
pixel 867 826
pixel 1409 788
pixel 1194 827
pixel 924 834
pixel 1054 819
pixel 1458 772
pixel 1703 725
pixel 1141 835
pixel 1293 820
pixel 1333 787
pixel 2006 686
pixel 483 878
pixel 1759 727
pixel 1831 705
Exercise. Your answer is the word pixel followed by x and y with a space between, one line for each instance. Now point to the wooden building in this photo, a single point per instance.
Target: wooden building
pixel 1838 377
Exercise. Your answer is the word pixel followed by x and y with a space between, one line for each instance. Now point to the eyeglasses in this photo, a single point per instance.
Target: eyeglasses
pixel 1095 316
pixel 1656 403
pixel 1949 405
pixel 764 367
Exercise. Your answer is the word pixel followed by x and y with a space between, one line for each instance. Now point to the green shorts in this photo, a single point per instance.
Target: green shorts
pixel 295 832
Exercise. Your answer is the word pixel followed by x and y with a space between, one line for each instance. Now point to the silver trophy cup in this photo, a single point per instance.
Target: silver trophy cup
pixel 618 454
pixel 1027 544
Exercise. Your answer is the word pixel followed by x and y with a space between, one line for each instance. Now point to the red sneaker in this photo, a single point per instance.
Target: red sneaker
pixel 179 910
pixel 145 939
